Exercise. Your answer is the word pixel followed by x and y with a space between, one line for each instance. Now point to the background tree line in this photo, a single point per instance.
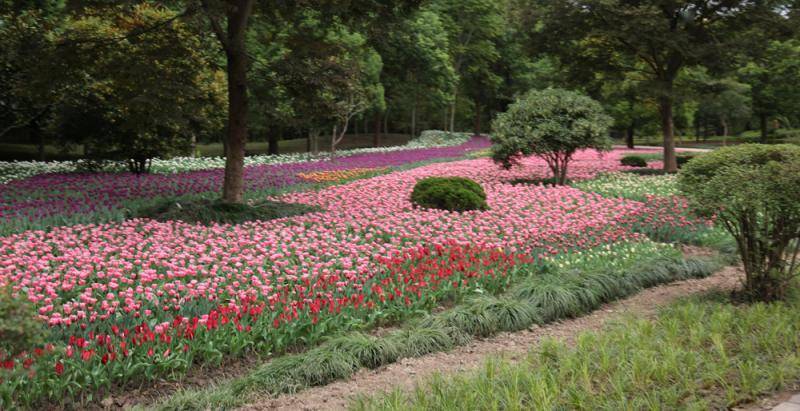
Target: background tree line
pixel 135 79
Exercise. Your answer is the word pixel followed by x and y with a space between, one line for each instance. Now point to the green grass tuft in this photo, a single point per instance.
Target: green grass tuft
pixel 509 314
pixel 325 364
pixel 550 295
pixel 371 352
pixel 465 319
pixel 420 340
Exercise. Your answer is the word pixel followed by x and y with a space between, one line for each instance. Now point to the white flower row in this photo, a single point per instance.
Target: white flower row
pixel 17 170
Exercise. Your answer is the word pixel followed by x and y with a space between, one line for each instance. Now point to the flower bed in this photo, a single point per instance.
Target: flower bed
pixel 142 299
pixel 54 196
pixel 19 170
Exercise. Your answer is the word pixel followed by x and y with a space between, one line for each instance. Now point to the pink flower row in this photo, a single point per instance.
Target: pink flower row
pixel 143 269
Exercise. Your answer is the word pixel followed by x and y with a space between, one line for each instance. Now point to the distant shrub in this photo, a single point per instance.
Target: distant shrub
pixel 633 161
pixel 20 330
pixel 547 181
pixel 449 193
pixel 753 191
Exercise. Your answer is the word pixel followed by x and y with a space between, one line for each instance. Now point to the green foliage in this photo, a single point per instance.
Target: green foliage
pixel 552 124
pixel 723 101
pixel 672 362
pixel 323 365
pixel 449 193
pixel 421 340
pixel 508 314
pixel 419 68
pixel 633 161
pixel 772 78
pixel 682 159
pixel 371 352
pixel 20 329
pixel 207 212
pixel 753 191
pixel 466 319
pixel 551 296
pixel 111 112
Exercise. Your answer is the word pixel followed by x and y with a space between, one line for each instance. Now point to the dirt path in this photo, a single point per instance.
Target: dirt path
pixel 407 372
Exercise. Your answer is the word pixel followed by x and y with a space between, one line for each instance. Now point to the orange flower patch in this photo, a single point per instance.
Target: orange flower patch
pixel 337 175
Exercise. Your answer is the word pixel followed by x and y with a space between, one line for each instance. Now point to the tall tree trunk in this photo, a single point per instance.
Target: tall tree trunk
pixel 477 130
pixel 38 136
pixel 444 121
pixel 629 136
pixel 193 145
pixel 764 120
pixel 697 130
pixel 668 133
pixel 724 128
pixel 453 113
pixel 386 122
pixel 414 118
pixel 233 187
pixel 272 139
pixel 376 135
pixel 233 41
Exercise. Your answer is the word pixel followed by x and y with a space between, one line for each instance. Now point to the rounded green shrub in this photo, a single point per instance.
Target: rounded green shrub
pixel 449 193
pixel 633 161
pixel 753 191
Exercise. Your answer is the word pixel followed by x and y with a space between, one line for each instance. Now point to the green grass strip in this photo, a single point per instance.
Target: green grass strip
pixel 699 354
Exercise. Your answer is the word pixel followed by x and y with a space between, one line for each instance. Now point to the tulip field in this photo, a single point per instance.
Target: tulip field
pixel 125 302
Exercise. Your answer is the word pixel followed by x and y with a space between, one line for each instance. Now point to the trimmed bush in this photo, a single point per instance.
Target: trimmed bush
pixel 753 191
pixel 633 161
pixel 449 193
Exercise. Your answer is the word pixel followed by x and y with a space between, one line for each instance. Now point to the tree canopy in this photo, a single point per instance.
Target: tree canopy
pixel 138 79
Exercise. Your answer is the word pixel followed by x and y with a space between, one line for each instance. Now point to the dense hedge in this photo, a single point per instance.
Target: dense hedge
pixel 633 161
pixel 449 193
